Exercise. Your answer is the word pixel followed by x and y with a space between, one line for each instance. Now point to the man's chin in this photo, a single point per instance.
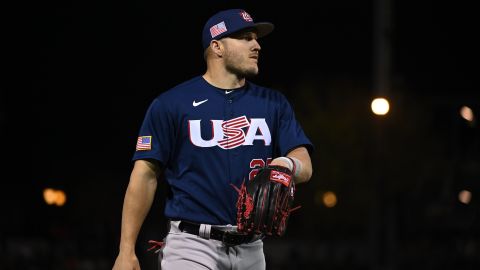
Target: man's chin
pixel 244 73
pixel 251 73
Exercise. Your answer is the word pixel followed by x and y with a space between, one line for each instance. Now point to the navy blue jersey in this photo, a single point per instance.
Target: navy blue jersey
pixel 208 139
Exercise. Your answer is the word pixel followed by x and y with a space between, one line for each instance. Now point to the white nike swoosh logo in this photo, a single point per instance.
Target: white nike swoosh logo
pixel 195 104
pixel 228 92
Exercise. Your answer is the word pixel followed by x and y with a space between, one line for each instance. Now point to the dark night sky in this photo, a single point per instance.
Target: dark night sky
pixel 88 71
pixel 98 65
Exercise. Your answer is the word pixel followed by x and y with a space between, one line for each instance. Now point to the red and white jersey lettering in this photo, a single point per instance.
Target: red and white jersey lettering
pixel 231 133
pixel 256 164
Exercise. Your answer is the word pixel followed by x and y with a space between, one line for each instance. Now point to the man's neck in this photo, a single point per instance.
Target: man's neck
pixel 223 80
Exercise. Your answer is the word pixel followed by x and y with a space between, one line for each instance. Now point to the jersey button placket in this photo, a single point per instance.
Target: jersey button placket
pixel 230 107
pixel 230 112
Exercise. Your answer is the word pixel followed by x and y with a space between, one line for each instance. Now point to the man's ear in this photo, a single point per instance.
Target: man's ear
pixel 217 47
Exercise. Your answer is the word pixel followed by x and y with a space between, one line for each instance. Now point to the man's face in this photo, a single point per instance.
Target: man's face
pixel 241 53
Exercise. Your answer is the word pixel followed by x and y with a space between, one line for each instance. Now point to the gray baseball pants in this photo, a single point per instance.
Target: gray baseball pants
pixel 185 251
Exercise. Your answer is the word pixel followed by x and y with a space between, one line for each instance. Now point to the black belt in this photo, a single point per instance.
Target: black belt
pixel 227 237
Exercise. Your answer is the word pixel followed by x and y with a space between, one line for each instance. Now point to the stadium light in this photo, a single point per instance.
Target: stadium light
pixel 465 196
pixel 380 106
pixel 329 199
pixel 54 197
pixel 467 113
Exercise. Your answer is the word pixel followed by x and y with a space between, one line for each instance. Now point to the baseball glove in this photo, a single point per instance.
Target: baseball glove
pixel 264 203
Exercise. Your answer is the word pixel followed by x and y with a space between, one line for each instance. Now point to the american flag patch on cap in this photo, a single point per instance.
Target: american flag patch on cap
pixel 144 143
pixel 217 29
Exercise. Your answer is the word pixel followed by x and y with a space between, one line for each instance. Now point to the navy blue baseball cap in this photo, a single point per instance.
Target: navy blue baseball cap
pixel 227 22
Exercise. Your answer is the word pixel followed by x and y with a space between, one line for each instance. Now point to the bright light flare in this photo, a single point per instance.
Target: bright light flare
pixel 49 195
pixel 54 197
pixel 329 199
pixel 467 113
pixel 465 196
pixel 380 106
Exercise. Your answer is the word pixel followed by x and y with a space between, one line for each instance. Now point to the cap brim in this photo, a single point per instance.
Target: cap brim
pixel 264 28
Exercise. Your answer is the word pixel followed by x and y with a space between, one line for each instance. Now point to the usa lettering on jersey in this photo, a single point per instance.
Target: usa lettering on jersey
pixel 231 133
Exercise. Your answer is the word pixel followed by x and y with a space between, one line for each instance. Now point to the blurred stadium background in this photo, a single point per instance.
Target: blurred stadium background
pixel 394 191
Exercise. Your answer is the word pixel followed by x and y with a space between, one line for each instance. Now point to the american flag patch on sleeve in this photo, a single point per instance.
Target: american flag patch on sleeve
pixel 144 143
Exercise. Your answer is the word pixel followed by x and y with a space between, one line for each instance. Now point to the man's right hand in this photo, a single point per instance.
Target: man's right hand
pixel 126 262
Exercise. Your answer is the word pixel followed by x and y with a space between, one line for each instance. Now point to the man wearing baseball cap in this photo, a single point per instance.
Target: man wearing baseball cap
pixel 208 136
pixel 228 22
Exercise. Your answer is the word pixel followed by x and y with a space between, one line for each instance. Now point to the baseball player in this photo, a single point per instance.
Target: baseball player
pixel 207 136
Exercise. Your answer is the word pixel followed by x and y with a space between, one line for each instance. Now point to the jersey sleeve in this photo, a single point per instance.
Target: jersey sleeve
pixel 156 136
pixel 291 135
